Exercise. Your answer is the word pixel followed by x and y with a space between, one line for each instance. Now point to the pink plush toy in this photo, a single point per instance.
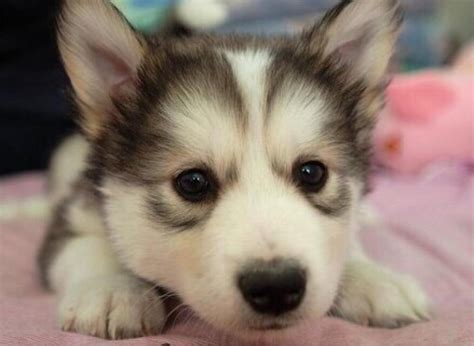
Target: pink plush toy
pixel 429 117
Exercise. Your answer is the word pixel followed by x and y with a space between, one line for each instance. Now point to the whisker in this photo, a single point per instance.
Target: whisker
pixel 161 299
pixel 173 310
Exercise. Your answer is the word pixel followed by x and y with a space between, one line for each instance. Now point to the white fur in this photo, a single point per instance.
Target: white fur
pixel 112 306
pixel 207 136
pixel 67 164
pixel 97 297
pixel 83 219
pixel 250 69
pixel 135 237
pixel 296 129
pixel 90 256
pixel 375 295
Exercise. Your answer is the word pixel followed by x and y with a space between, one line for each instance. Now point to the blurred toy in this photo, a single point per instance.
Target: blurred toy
pixel 429 117
pixel 150 15
pixel 145 15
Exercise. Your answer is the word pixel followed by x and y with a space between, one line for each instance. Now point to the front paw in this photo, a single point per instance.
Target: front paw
pixel 115 307
pixel 372 295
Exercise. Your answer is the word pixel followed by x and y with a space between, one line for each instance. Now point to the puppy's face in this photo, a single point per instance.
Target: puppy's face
pixel 237 171
pixel 232 168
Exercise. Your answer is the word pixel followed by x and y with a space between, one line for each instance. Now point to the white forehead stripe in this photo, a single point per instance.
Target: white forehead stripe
pixel 250 70
pixel 298 110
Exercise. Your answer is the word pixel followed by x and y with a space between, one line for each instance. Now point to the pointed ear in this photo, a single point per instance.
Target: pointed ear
pixel 360 34
pixel 101 54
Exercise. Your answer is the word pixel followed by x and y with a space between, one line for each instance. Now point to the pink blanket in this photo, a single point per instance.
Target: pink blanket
pixel 428 232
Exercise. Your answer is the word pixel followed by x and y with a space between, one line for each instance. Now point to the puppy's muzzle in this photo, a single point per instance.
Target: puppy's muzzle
pixel 273 287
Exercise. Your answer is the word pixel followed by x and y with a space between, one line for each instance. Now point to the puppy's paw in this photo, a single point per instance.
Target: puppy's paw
pixel 114 307
pixel 374 296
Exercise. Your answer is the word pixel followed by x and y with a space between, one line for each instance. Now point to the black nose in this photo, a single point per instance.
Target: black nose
pixel 273 287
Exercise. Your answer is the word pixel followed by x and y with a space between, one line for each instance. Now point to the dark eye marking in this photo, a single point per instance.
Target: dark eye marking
pixel 173 216
pixel 334 205
pixel 311 176
pixel 198 189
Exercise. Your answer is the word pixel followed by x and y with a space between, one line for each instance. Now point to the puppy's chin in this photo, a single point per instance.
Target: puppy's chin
pixel 265 330
pixel 237 320
pixel 269 333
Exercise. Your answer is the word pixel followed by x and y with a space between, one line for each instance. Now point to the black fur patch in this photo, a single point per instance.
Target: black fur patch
pixel 58 235
pixel 60 231
pixel 133 148
pixel 179 218
pixel 333 205
pixel 346 127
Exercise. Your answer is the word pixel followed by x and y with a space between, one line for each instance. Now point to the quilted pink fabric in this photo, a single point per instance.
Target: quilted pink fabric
pixel 428 232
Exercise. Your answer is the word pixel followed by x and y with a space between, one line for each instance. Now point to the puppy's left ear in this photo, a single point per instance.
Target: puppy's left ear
pixel 360 34
pixel 102 55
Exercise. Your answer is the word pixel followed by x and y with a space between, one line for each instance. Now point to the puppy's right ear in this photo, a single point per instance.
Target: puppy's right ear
pixel 101 54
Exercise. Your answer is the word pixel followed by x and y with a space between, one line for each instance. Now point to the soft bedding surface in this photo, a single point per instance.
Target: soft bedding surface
pixel 427 230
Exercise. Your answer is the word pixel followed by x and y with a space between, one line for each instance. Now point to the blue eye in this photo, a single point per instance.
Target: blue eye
pixel 193 185
pixel 311 176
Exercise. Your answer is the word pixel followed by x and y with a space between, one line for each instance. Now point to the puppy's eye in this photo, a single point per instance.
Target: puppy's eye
pixel 311 175
pixel 193 185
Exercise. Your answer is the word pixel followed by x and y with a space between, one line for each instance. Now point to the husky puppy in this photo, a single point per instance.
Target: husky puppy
pixel 228 170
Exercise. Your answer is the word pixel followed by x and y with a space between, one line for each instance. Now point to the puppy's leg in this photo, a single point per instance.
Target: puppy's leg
pixel 373 295
pixel 97 297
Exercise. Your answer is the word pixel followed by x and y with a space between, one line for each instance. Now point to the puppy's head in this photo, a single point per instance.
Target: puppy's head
pixel 232 167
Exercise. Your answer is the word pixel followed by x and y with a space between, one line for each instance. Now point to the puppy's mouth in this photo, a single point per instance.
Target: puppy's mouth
pixel 270 327
pixel 275 325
